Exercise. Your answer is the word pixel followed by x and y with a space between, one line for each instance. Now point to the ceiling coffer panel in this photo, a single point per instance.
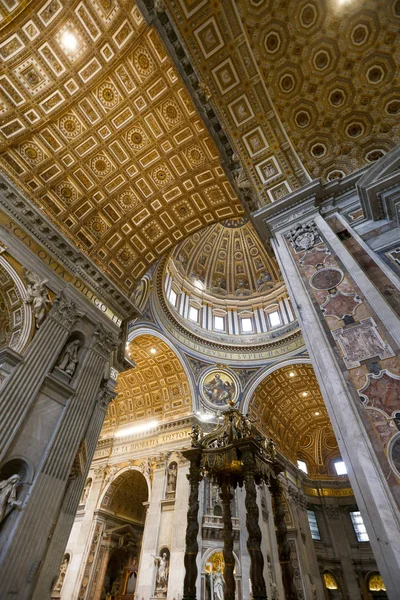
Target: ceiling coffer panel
pixel 98 130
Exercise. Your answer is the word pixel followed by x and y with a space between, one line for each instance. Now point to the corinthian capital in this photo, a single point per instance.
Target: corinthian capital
pixel 64 311
pixel 104 342
pixel 105 395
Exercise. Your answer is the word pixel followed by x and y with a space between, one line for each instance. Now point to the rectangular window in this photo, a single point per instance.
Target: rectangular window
pixel 219 323
pixel 274 319
pixel 172 297
pixel 359 527
pixel 312 520
pixel 194 314
pixel 247 325
pixel 340 467
pixel 302 466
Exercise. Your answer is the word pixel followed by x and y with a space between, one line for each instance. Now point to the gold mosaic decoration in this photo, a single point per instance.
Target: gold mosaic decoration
pixel 156 389
pixel 285 404
pixel 102 135
pixel 325 72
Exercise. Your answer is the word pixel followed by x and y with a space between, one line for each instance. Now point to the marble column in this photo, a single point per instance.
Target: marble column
pixel 65 418
pixel 245 557
pixel 371 479
pixel 147 566
pixel 21 387
pixel 178 533
pixel 283 542
pixel 80 538
pixel 74 491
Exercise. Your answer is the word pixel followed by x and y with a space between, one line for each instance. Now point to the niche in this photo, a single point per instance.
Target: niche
pixel 70 357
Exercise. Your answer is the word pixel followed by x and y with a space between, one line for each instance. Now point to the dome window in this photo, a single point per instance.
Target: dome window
pixel 247 325
pixel 219 323
pixel 340 467
pixel 194 314
pixel 172 297
pixel 359 527
pixel 274 319
pixel 302 465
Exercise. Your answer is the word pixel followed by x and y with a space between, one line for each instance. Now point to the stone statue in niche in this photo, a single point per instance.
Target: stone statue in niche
pixel 172 474
pixel 69 358
pixel 37 295
pixel 61 575
pixel 8 495
pixel 162 573
pixel 218 585
pixel 86 491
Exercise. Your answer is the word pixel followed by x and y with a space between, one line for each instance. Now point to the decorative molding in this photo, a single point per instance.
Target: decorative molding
pixel 30 218
pixel 64 311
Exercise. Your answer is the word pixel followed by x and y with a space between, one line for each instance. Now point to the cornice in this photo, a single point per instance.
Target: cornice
pixel 40 228
pixel 158 302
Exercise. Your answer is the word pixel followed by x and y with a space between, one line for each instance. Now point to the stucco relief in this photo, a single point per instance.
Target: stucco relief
pixel 360 342
pixel 304 237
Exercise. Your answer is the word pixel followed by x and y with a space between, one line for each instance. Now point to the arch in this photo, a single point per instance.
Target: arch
pixel 260 376
pixel 394 445
pixel 288 404
pixel 375 582
pixel 21 312
pixel 142 329
pixel 127 504
pixel 330 580
pixel 210 551
pixel 157 389
pixel 107 490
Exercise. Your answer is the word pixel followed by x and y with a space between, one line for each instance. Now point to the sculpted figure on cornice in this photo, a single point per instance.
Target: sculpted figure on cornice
pixel 37 295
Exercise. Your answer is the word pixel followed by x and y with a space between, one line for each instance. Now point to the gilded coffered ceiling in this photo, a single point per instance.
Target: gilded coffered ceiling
pixel 331 69
pixel 126 495
pixel 289 407
pixel 156 389
pixel 320 75
pixel 98 130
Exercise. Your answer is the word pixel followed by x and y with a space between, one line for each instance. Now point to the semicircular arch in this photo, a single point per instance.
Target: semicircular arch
pixel 125 494
pixel 289 407
pixel 157 389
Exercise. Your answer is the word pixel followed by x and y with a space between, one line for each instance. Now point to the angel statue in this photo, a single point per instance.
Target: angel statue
pixel 8 495
pixel 37 295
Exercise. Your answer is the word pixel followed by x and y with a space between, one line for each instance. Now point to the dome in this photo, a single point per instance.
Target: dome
pixel 226 260
pixel 221 285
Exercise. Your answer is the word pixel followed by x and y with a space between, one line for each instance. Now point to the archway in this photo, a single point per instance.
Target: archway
pixel 15 315
pixel 156 390
pixel 123 508
pixel 289 407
